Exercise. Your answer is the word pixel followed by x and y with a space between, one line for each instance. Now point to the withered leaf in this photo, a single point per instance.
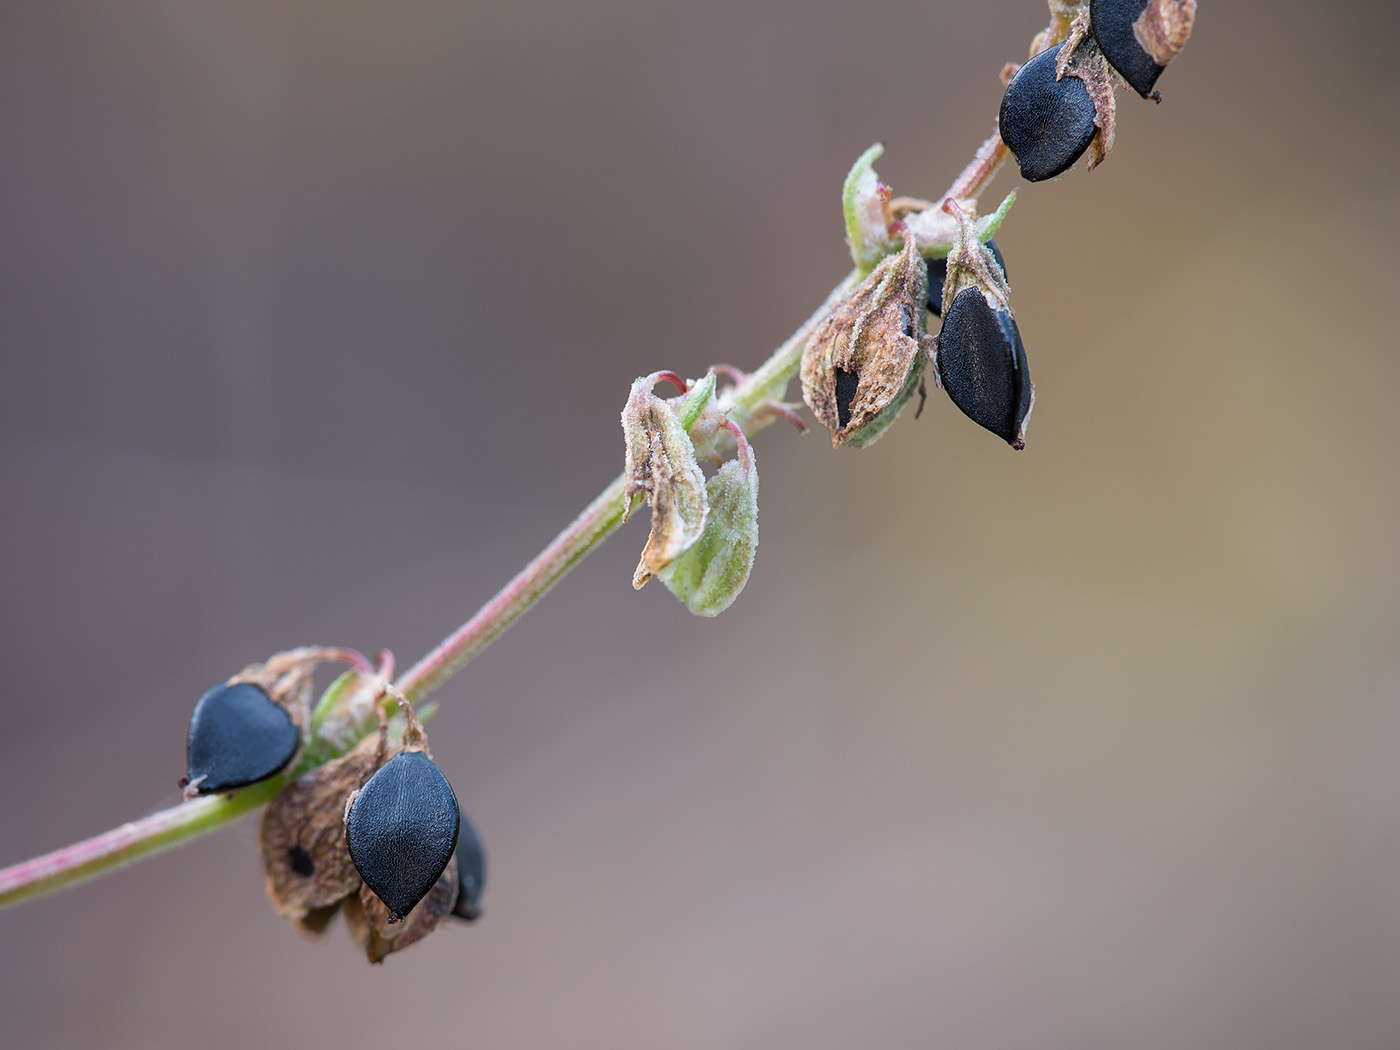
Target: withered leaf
pixel 661 462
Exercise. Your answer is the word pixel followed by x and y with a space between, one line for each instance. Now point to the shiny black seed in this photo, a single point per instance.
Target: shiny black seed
pixel 471 872
pixel 238 735
pixel 982 365
pixel 1111 23
pixel 401 830
pixel 846 386
pixel 938 273
pixel 1046 122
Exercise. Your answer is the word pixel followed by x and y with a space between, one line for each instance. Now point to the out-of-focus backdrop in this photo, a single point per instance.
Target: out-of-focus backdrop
pixel 316 319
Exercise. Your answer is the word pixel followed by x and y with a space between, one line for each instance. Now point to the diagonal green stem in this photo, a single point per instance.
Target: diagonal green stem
pixel 130 842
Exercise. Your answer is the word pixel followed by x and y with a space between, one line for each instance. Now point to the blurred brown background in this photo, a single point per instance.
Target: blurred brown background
pixel 316 321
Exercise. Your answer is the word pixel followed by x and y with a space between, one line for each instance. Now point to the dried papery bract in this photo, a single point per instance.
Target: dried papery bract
pixel 301 837
pixel 938 274
pixel 865 359
pixel 660 462
pixel 379 933
pixel 972 262
pixel 710 575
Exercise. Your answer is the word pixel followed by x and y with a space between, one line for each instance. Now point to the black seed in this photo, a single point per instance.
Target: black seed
pixel 401 830
pixel 301 861
pixel 471 872
pixel 1111 23
pixel 938 273
pixel 238 735
pixel 846 384
pixel 982 364
pixel 1046 122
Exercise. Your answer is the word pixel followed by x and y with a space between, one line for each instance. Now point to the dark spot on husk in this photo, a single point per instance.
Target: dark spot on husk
pixel 301 861
pixel 846 384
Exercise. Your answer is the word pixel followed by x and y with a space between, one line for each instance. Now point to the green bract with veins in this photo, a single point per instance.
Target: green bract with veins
pixel 710 575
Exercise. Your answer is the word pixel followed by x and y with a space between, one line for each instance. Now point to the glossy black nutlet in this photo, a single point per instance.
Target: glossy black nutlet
pixel 938 273
pixel 982 364
pixel 238 735
pixel 1047 123
pixel 471 872
pixel 401 829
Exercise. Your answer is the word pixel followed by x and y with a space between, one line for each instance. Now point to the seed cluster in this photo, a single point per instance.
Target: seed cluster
pixel 376 835
pixel 867 356
pixel 1060 103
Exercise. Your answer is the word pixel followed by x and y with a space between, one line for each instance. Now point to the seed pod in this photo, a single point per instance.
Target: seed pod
pixel 710 575
pixel 1139 37
pixel 379 933
pixel 864 360
pixel 981 362
pixel 471 872
pixel 1046 123
pixel 938 273
pixel 301 836
pixel 238 735
pixel 401 829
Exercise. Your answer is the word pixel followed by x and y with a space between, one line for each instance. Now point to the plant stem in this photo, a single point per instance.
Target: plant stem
pixel 171 827
pixel 598 521
pixel 130 842
pixel 589 529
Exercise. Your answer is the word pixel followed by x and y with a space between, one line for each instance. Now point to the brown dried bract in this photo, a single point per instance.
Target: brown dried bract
pixel 301 837
pixel 314 922
pixel 368 917
pixel 971 264
pixel 1092 68
pixel 1164 27
pixel 1081 58
pixel 661 462
pixel 865 358
pixel 286 677
pixel 1078 33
